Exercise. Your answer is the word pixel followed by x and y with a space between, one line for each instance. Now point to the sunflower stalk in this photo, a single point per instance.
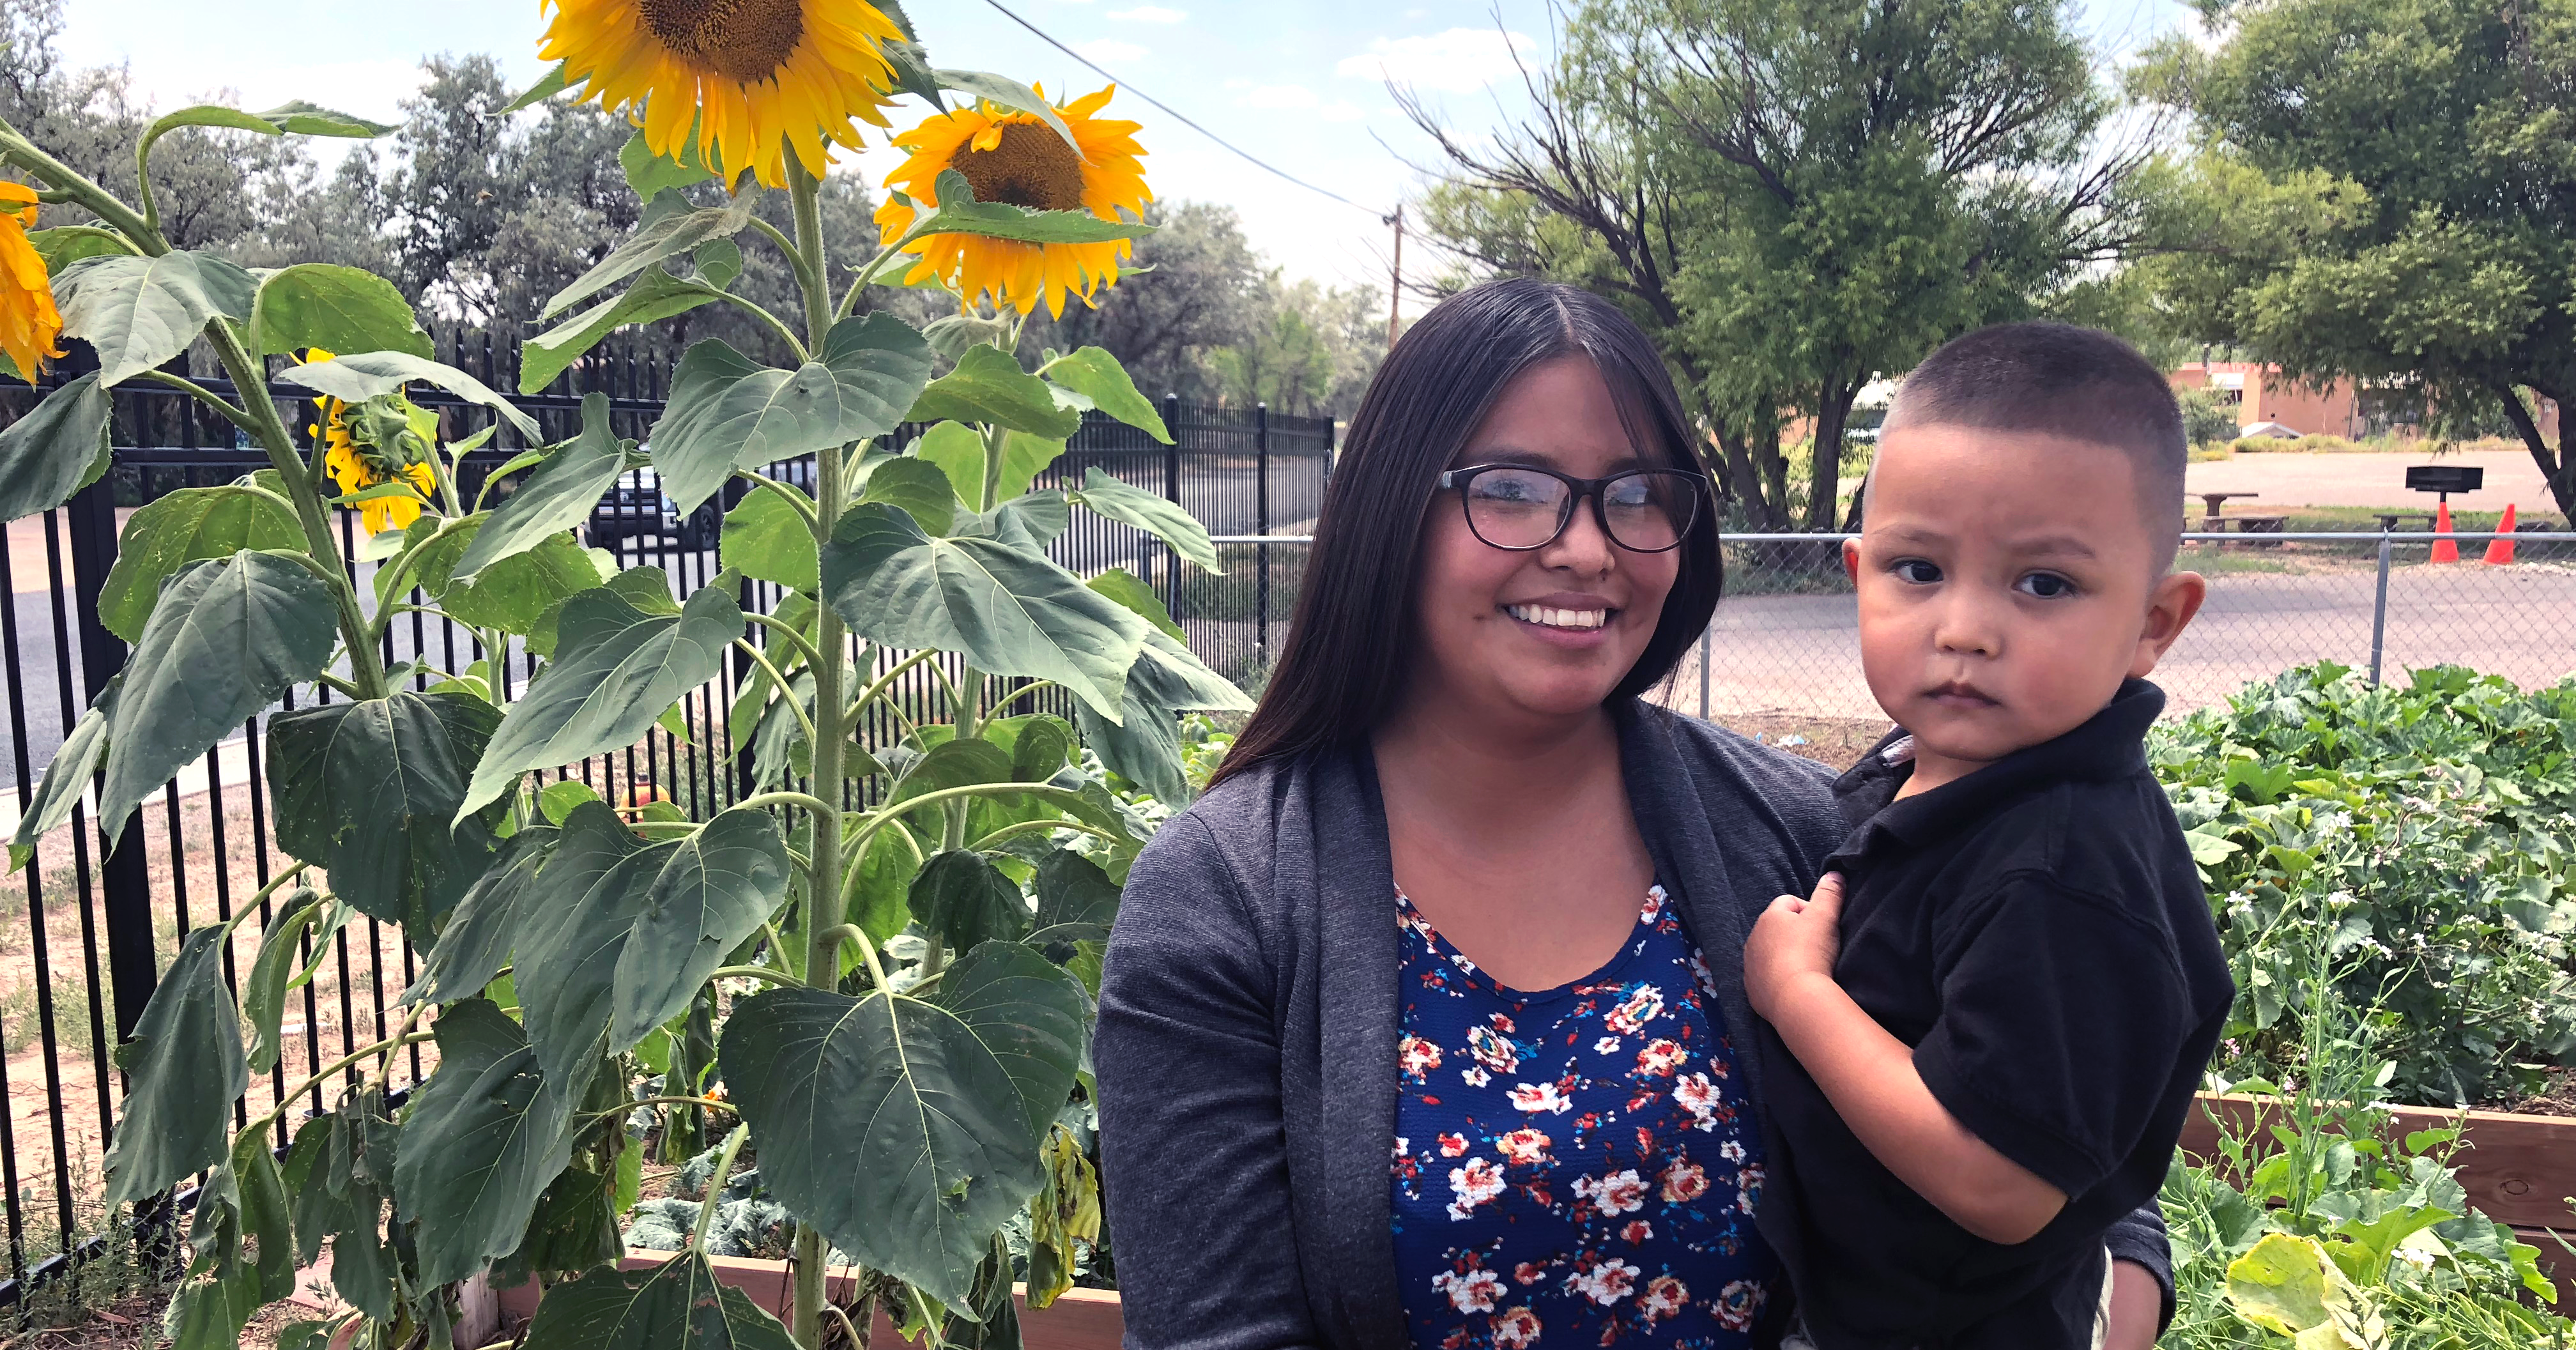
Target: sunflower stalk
pixel 831 491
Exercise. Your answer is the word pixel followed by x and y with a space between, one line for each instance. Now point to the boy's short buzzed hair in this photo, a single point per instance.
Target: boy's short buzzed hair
pixel 2062 380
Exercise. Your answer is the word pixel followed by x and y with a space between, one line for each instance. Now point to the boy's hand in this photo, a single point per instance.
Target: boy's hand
pixel 1793 938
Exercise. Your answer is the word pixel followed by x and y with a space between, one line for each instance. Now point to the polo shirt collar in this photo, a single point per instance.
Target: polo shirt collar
pixel 2111 744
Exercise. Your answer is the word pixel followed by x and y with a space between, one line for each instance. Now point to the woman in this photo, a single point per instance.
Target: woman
pixel 1415 1029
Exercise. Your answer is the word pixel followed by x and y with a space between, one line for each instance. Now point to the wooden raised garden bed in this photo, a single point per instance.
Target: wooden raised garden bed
pixel 2518 1169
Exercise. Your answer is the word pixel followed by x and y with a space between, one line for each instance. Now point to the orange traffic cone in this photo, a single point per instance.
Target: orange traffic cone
pixel 2445 549
pixel 2500 551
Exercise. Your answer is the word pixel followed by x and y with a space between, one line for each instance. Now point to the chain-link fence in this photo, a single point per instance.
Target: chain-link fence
pixel 1785 642
pixel 1785 645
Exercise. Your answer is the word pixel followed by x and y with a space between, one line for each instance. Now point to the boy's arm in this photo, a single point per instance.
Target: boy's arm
pixel 1870 1077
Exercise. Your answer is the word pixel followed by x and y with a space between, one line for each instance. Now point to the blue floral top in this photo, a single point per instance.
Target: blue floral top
pixel 1572 1164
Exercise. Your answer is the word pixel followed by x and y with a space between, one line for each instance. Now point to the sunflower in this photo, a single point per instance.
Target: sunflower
pixel 1013 157
pixel 741 80
pixel 29 323
pixel 377 441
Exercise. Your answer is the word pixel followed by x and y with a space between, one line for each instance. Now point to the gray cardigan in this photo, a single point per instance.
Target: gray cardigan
pixel 1248 1022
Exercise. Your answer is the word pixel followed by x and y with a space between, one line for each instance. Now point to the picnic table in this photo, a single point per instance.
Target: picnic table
pixel 2388 519
pixel 2216 500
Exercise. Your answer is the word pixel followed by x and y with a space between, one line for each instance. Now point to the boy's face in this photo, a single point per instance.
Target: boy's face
pixel 2008 583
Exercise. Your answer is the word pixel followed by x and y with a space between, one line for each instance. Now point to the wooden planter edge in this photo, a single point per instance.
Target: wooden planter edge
pixel 1083 1319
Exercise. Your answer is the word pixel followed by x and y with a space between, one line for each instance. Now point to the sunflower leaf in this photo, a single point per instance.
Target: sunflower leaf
pixel 552 84
pixel 1094 373
pixel 1010 610
pixel 769 539
pixel 727 411
pixel 655 296
pixel 616 667
pixel 359 376
pixel 649 173
pixel 140 312
pixel 230 637
pixel 559 495
pixel 912 72
pixel 62 247
pixel 989 386
pixel 1165 520
pixel 186 1066
pixel 55 451
pixel 67 778
pixel 921 488
pixel 187 526
pixel 1011 94
pixel 488 1133
pixel 299 118
pixel 861 1106
pixel 1130 590
pixel 675 229
pixel 342 309
pixel 959 213
pixel 369 789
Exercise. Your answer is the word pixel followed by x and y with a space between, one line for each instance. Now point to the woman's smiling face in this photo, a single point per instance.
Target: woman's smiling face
pixel 1544 634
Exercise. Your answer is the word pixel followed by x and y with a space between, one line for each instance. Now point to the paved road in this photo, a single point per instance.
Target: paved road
pixel 1800 654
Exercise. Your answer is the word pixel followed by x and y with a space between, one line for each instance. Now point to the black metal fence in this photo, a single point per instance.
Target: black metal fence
pixel 204 843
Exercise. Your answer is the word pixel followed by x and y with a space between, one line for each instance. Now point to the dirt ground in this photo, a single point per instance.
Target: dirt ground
pixel 63 1084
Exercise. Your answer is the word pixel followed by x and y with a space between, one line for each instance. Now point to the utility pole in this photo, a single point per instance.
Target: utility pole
pixel 1395 292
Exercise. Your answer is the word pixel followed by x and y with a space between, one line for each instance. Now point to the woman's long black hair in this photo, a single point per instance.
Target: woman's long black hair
pixel 1351 640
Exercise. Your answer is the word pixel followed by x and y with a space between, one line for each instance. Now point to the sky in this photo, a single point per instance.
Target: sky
pixel 1297 84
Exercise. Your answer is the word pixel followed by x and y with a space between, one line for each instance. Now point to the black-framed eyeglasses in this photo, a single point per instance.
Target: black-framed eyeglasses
pixel 1522 506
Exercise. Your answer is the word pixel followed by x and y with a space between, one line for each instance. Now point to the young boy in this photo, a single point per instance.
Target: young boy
pixel 1983 1034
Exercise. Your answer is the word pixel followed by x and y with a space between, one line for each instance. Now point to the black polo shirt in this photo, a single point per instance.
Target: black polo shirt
pixel 2037 932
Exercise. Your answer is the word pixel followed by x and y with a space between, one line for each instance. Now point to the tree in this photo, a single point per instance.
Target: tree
pixel 1202 293
pixel 1803 197
pixel 2385 191
pixel 1310 350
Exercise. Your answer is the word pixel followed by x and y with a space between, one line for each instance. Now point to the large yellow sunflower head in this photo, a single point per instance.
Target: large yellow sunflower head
pixel 378 441
pixel 1013 157
pixel 744 80
pixel 29 323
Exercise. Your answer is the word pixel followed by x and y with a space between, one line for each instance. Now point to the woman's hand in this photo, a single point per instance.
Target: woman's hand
pixel 1793 939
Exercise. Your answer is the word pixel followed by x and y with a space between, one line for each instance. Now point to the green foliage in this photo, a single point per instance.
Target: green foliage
pixel 601 977
pixel 55 451
pixel 1931 185
pixel 2316 1225
pixel 2383 192
pixel 728 412
pixel 2426 828
pixel 2204 418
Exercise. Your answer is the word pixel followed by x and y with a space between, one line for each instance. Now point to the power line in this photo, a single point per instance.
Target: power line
pixel 1176 115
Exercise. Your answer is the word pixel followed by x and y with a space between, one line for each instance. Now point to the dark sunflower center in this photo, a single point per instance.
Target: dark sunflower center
pixel 1032 168
pixel 744 40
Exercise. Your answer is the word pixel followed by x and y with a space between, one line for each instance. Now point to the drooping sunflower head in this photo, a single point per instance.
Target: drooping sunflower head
pixel 378 441
pixel 29 323
pixel 744 81
pixel 1013 157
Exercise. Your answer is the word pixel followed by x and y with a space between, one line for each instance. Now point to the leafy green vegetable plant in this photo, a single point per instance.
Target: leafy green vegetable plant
pixel 2429 829
pixel 2316 1227
pixel 895 1002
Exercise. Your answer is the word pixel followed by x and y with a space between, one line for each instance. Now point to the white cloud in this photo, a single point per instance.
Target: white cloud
pixel 1148 14
pixel 1109 51
pixel 1459 61
pixel 1279 97
pixel 1342 110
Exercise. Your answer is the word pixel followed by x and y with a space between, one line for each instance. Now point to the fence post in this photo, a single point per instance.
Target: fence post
pixel 125 886
pixel 1260 525
pixel 2379 613
pixel 1705 645
pixel 1172 494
